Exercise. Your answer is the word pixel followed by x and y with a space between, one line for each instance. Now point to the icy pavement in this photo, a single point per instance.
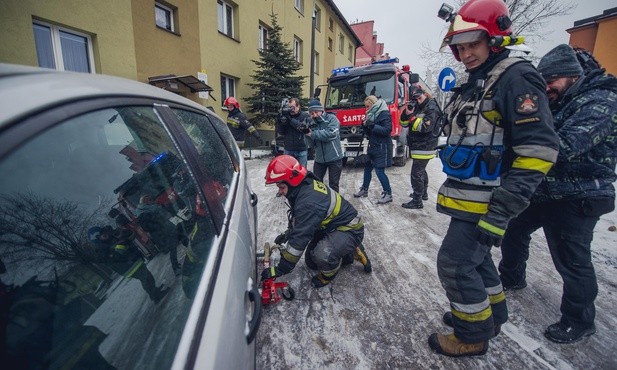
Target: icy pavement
pixel 382 320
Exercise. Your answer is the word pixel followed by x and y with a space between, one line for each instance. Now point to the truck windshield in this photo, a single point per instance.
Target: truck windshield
pixel 351 92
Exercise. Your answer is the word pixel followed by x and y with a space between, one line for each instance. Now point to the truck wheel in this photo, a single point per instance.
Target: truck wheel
pixel 399 161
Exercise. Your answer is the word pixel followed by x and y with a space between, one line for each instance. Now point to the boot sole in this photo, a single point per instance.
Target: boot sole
pixel 433 343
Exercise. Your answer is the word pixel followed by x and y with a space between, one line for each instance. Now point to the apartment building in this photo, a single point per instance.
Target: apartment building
pixel 597 34
pixel 186 46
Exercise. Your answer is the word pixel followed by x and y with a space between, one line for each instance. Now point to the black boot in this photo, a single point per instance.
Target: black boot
pixel 414 203
pixel 448 320
pixel 425 194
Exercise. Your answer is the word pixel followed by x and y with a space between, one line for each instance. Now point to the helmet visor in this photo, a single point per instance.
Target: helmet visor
pixel 467 37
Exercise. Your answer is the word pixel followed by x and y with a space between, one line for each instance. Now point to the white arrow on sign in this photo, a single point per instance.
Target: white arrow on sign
pixel 447 79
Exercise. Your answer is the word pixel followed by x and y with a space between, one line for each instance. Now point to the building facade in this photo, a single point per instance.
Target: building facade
pixel 172 43
pixel 597 34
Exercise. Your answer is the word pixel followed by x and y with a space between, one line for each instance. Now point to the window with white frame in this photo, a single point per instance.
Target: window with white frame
pixel 316 66
pixel 299 4
pixel 341 43
pixel 263 37
pixel 349 52
pixel 62 49
pixel 317 18
pixel 228 87
pixel 298 50
pixel 225 12
pixel 164 16
pixel 330 43
pixel 330 24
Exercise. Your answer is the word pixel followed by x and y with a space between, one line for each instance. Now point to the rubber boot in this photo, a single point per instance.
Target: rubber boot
pixel 450 345
pixel 360 256
pixel 321 280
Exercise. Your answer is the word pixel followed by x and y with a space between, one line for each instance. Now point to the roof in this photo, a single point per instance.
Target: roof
pixel 25 90
pixel 608 13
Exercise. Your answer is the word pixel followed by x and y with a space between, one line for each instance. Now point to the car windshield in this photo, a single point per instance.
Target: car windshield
pixel 351 92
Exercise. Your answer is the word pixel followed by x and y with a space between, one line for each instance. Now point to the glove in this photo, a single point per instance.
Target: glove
pixel 282 238
pixel 283 120
pixel 504 206
pixel 491 229
pixel 284 267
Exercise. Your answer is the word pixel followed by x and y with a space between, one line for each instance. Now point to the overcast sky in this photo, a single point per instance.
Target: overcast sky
pixel 404 26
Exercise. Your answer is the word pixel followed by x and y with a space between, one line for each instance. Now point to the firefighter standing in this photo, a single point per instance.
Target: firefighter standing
pixel 575 192
pixel 500 145
pixel 322 223
pixel 237 122
pixel 422 141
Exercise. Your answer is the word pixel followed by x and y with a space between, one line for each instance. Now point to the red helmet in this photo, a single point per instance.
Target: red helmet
pixel 478 18
pixel 232 101
pixel 285 168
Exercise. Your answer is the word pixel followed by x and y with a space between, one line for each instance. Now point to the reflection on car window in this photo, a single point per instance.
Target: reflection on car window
pixel 214 155
pixel 103 239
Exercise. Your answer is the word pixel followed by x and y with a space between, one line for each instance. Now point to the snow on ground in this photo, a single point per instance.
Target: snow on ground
pixel 382 320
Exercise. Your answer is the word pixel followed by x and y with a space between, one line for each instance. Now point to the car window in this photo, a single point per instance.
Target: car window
pixel 212 152
pixel 103 240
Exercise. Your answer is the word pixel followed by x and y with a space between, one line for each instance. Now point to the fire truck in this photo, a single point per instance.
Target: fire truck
pixel 349 86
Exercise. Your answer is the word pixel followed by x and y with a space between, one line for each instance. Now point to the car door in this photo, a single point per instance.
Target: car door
pixel 98 202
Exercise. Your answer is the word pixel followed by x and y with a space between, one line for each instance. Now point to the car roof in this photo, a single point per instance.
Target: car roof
pixel 26 90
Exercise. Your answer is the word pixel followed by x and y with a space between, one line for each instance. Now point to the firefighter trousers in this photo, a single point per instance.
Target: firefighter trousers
pixel 327 249
pixel 469 276
pixel 568 226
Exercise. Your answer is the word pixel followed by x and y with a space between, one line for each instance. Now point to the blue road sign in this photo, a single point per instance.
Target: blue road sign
pixel 447 79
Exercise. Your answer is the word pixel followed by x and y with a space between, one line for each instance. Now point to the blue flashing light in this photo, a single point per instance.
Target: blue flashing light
pixel 341 70
pixel 158 157
pixel 386 61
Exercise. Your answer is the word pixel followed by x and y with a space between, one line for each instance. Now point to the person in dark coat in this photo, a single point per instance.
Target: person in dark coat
pixel 293 123
pixel 377 126
pixel 237 122
pixel 574 193
pixel 422 140
pixel 155 220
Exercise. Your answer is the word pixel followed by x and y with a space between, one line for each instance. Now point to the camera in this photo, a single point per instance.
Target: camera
pixel 411 105
pixel 285 109
pixel 446 12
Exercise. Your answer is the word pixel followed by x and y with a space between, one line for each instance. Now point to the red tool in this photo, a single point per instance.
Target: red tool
pixel 270 288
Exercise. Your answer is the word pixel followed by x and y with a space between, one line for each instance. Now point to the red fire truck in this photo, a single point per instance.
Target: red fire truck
pixel 347 89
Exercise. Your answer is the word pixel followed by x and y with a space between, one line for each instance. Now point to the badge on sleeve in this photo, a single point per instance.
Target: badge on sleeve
pixel 527 103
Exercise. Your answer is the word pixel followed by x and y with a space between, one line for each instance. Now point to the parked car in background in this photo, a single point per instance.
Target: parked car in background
pixel 107 185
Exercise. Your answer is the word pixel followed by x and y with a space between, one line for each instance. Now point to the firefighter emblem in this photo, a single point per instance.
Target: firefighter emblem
pixel 527 104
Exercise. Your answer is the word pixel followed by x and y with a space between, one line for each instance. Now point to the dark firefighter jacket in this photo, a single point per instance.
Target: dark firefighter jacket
pixel 237 123
pixel 508 119
pixel 379 141
pixel 315 207
pixel 291 127
pixel 586 122
pixel 421 140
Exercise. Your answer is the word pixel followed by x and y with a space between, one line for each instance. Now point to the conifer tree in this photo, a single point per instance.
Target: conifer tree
pixel 274 78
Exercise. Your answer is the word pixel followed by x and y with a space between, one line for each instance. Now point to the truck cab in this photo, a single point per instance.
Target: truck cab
pixel 349 86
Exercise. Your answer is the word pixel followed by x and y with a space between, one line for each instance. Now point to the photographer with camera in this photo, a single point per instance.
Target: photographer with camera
pixel 422 115
pixel 292 123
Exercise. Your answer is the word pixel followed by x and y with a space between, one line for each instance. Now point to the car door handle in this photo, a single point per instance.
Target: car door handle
pixel 253 325
pixel 253 199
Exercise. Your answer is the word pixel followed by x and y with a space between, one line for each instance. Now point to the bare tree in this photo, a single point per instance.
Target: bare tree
pixel 529 19
pixel 33 228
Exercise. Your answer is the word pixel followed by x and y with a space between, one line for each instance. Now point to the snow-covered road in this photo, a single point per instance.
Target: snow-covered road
pixel 382 320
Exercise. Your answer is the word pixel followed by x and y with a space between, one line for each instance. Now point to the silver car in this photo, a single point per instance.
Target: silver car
pixel 127 228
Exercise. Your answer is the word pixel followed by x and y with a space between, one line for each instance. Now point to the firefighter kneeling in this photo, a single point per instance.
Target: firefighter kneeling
pixel 321 222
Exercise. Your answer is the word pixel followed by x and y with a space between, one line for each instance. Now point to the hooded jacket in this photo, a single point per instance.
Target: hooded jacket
pixel 586 123
pixel 326 138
